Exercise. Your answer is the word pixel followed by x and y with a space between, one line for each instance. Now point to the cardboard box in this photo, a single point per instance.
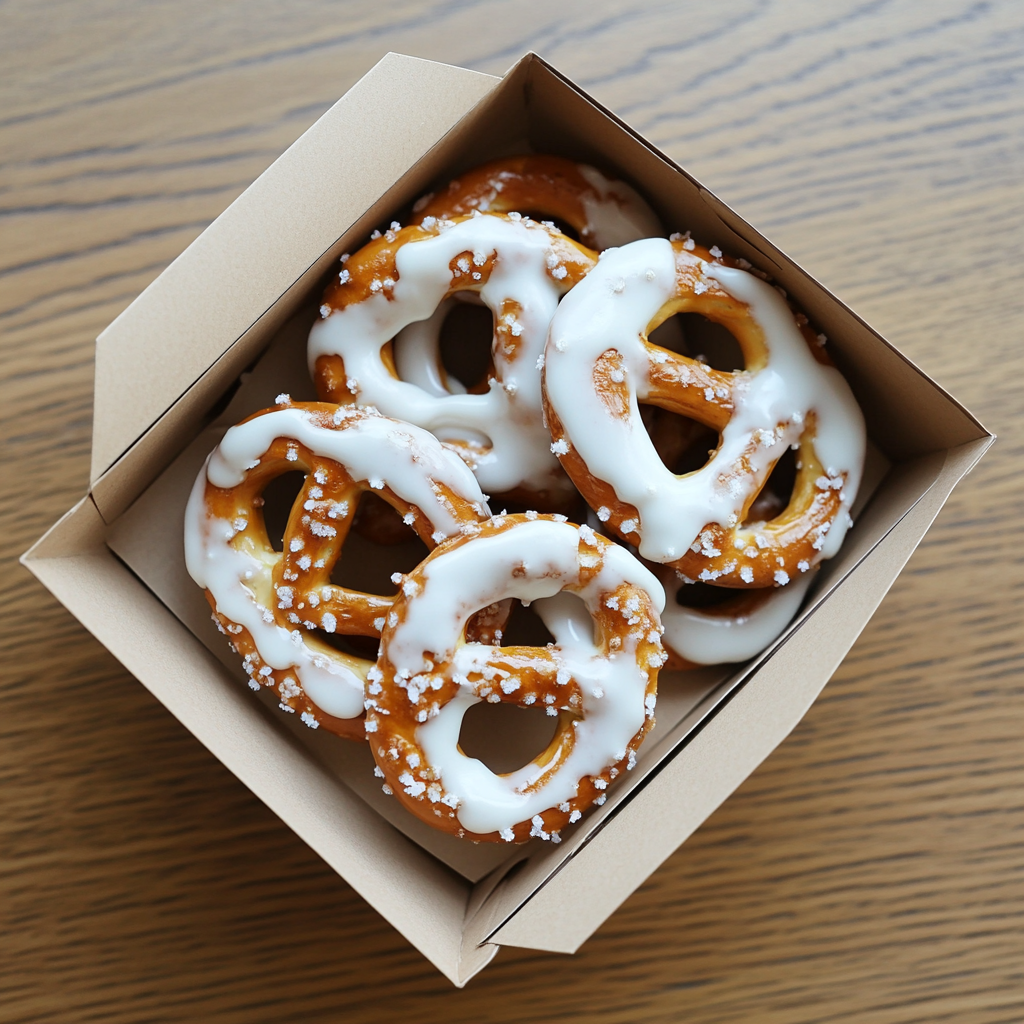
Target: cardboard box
pixel 222 331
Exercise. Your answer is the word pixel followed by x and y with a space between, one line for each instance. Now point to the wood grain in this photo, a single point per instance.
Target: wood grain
pixel 872 868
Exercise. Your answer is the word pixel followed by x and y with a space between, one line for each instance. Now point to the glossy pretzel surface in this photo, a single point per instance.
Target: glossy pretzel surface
pixel 787 543
pixel 366 269
pixel 295 583
pixel 532 677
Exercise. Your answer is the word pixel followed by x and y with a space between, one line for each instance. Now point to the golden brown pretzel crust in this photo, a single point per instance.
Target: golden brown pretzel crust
pixel 395 720
pixel 782 543
pixel 310 592
pixel 535 185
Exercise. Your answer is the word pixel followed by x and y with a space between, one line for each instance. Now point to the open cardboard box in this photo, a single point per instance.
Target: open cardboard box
pixel 222 331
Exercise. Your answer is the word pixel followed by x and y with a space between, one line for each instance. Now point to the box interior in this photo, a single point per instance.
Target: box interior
pixel 148 539
pixel 140 494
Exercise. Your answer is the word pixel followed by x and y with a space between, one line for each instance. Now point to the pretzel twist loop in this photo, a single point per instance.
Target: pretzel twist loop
pixel 278 607
pixel 788 395
pixel 519 269
pixel 599 678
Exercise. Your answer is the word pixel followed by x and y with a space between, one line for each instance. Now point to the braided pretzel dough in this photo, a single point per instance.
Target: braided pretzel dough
pixel 603 212
pixel 599 678
pixel 273 603
pixel 784 397
pixel 519 269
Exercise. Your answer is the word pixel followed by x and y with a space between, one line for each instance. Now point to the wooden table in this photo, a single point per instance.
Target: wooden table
pixel 872 868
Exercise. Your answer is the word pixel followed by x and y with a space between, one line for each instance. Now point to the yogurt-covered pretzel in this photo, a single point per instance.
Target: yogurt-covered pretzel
pixel 603 212
pixel 277 606
pixel 599 678
pixel 599 364
pixel 519 269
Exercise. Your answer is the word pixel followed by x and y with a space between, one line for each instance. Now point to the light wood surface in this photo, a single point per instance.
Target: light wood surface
pixel 872 868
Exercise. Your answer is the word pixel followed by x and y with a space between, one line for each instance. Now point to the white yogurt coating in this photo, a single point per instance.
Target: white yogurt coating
pixel 371 448
pixel 417 354
pixel 611 309
pixel 708 639
pixel 616 215
pixel 613 685
pixel 510 414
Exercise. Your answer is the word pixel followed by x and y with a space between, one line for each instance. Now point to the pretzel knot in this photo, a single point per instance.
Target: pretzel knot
pixel 279 606
pixel 598 678
pixel 519 269
pixel 599 364
pixel 602 212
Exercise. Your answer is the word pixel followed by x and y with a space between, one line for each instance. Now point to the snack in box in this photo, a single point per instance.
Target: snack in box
pixel 572 417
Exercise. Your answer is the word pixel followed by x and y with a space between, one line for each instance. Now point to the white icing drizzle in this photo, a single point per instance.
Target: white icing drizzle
pixel 477 573
pixel 509 415
pixel 407 459
pixel 611 309
pixel 417 354
pixel 616 213
pixel 710 639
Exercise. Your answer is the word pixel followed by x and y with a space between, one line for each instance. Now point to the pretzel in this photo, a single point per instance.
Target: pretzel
pixel 603 212
pixel 599 364
pixel 736 629
pixel 277 607
pixel 599 678
pixel 519 269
